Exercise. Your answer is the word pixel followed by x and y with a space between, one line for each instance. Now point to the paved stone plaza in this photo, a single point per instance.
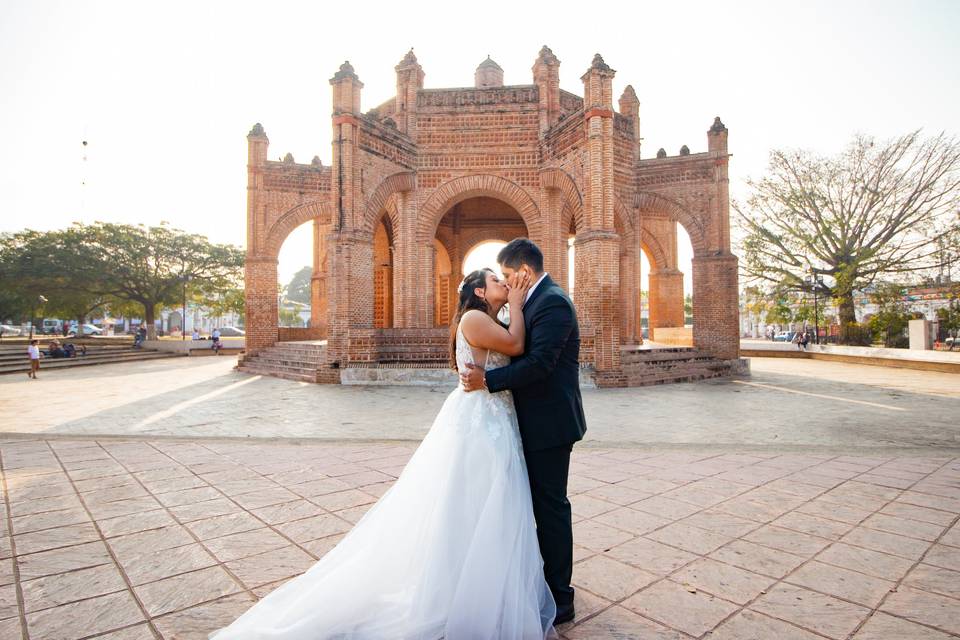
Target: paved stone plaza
pixel 812 500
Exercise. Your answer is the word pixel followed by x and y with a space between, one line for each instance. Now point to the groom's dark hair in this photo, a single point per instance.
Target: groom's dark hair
pixel 521 251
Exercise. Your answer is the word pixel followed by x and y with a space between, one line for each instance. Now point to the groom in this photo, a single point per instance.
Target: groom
pixel 545 382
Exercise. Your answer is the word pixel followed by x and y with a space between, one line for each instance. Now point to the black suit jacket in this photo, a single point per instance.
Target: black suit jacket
pixel 545 380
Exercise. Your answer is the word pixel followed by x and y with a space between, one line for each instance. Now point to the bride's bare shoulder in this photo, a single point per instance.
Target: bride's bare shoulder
pixel 474 322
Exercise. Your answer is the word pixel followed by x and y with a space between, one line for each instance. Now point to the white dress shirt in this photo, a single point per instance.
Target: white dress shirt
pixel 535 285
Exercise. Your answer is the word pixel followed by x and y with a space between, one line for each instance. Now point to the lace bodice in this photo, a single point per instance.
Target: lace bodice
pixel 465 354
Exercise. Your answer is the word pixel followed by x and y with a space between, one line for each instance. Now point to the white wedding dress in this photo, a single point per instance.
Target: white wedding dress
pixel 450 551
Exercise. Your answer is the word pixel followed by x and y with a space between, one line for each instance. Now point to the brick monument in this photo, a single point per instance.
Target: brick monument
pixel 418 181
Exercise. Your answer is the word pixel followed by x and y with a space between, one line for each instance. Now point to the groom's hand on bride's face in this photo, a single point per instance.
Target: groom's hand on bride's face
pixel 473 378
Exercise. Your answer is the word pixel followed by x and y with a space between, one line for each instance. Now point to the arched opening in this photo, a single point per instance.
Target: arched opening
pixel 667 252
pixel 685 267
pixel 295 277
pixel 442 285
pixel 466 227
pixel 383 249
pixel 483 256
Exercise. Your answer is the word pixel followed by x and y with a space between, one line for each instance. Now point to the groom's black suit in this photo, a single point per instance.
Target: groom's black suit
pixel 545 382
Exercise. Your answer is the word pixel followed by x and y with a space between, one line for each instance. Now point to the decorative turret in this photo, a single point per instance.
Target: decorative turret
pixel 630 108
pixel 597 85
pixel 488 74
pixel 346 90
pixel 717 137
pixel 546 75
pixel 409 81
pixel 257 143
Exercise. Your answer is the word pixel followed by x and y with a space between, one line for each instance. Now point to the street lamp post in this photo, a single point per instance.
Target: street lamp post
pixel 183 316
pixel 815 282
pixel 40 301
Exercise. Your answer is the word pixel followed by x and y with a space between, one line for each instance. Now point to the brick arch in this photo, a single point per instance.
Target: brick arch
pixel 377 202
pixel 292 219
pixel 561 180
pixel 646 201
pixel 654 250
pixel 459 189
pixel 622 215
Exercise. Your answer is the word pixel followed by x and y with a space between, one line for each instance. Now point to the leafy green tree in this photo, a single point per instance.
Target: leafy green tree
pixel 875 210
pixel 892 318
pixel 298 289
pixel 949 317
pixel 32 264
pixel 149 266
pixel 225 302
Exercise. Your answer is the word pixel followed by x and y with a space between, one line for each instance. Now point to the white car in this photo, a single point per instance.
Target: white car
pixel 10 330
pixel 88 330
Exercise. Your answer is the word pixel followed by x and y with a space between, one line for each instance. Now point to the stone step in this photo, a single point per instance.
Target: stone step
pixel 62 363
pixel 654 356
pixel 284 359
pixel 305 351
pixel 287 373
pixel 649 380
pixel 8 355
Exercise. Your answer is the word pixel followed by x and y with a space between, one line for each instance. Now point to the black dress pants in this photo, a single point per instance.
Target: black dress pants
pixel 548 470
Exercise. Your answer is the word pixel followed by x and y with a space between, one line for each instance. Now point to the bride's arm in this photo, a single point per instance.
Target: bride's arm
pixel 483 332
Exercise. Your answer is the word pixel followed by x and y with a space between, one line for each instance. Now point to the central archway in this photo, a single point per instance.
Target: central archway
pixel 468 224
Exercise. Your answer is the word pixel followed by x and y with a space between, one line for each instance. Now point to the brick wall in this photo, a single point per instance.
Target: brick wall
pixel 416 182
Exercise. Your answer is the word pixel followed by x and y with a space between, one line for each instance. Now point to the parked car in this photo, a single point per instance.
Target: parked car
pixel 88 330
pixel 784 336
pixel 52 326
pixel 10 330
pixel 231 332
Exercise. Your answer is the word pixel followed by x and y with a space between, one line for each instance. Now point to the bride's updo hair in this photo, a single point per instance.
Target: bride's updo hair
pixel 468 300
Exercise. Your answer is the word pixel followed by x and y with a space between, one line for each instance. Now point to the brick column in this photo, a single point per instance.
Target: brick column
pixel 409 81
pixel 260 302
pixel 318 281
pixel 260 271
pixel 546 75
pixel 409 281
pixel 665 300
pixel 716 314
pixel 349 289
pixel 554 240
pixel 350 249
pixel 598 246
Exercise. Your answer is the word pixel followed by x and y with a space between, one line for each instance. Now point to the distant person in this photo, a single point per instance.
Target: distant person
pixel 798 340
pixel 196 334
pixel 215 336
pixel 55 350
pixel 33 352
pixel 805 340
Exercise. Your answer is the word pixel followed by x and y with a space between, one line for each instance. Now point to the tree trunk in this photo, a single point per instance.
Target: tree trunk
pixel 845 309
pixel 150 315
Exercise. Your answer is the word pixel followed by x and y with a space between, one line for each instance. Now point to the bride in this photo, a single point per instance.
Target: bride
pixel 450 550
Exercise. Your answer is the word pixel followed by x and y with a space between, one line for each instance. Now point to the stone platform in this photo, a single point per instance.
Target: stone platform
pixel 144 539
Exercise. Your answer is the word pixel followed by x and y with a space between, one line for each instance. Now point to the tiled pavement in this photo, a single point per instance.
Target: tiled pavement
pixel 172 539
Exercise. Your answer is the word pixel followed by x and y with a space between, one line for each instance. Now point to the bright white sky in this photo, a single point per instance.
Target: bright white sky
pixel 165 93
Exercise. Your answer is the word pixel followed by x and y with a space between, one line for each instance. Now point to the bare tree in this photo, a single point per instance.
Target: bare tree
pixel 875 210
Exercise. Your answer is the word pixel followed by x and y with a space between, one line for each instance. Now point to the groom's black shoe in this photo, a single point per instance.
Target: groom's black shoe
pixel 564 614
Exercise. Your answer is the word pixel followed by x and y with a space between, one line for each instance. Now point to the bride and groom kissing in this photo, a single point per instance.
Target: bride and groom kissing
pixel 474 539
